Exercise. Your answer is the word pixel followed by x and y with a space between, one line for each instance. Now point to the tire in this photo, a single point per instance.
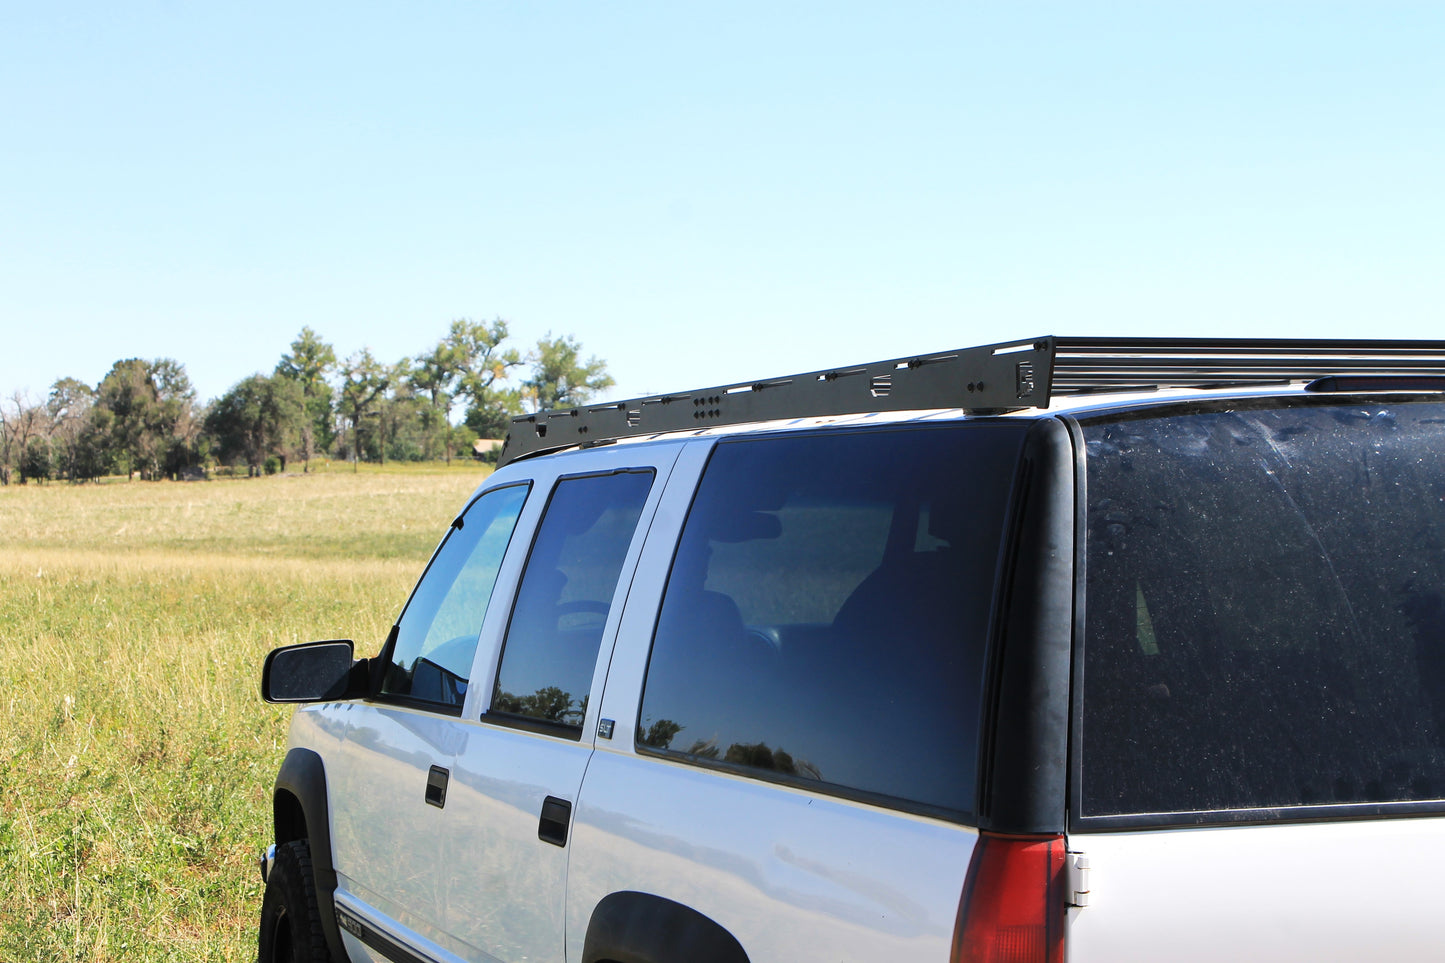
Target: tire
pixel 290 922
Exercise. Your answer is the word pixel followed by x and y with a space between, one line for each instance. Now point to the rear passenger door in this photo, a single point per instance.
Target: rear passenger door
pixel 791 721
pixel 1260 743
pixel 529 734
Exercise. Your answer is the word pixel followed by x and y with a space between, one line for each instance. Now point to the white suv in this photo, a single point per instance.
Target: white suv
pixel 910 661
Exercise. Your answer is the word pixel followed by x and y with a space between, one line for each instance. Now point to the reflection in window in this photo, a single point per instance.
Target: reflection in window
pixel 436 635
pixel 828 607
pixel 565 596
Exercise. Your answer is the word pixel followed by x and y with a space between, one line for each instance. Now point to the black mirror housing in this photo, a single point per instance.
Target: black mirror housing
pixel 313 672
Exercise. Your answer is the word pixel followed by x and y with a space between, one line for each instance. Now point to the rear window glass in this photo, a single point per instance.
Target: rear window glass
pixel 828 607
pixel 1265 609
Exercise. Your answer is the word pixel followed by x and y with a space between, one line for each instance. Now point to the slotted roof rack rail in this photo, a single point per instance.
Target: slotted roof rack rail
pixel 982 380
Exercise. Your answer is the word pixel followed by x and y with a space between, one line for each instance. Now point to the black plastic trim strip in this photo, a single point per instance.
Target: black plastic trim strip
pixel 383 943
pixel 835 790
pixel 1282 815
pixel 1076 681
pixel 1024 764
pixel 1172 407
pixel 411 702
pixel 545 727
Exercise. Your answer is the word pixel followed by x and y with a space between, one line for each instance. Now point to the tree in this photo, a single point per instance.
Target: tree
pixel 21 421
pixel 69 408
pixel 36 462
pixel 434 376
pixel 257 419
pixel 560 379
pixel 400 417
pixel 152 426
pixel 363 382
pixel 178 423
pixel 482 363
pixel 308 364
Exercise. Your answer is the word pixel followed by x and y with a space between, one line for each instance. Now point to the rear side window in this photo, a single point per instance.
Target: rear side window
pixel 1265 609
pixel 827 611
pixel 565 597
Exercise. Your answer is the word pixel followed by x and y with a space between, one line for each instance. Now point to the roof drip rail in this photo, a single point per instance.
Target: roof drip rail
pixel 988 379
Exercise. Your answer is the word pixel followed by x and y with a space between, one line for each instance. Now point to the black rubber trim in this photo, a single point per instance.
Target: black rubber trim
pixel 631 927
pixel 543 727
pixel 1347 383
pixel 1024 762
pixel 1081 573
pixel 384 944
pixel 303 777
pixel 1257 817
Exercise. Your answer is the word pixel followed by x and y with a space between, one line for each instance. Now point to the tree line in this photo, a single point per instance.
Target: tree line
pixel 143 418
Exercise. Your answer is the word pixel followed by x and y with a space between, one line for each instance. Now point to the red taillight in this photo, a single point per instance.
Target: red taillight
pixel 1013 902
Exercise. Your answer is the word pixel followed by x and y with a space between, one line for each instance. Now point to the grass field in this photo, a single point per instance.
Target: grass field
pixel 136 758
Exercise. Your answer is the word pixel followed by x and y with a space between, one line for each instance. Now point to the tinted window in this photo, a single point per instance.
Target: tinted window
pixel 437 632
pixel 565 596
pixel 827 611
pixel 1266 609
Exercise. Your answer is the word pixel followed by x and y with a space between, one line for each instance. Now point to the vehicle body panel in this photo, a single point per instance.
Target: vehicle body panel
pixel 1339 890
pixel 792 875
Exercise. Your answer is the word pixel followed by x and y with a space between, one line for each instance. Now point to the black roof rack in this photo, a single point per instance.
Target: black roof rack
pixel 983 380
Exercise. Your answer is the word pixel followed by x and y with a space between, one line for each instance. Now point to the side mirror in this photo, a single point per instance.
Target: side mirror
pixel 313 672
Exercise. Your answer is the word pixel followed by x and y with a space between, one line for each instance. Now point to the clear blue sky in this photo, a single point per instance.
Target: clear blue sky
pixel 708 193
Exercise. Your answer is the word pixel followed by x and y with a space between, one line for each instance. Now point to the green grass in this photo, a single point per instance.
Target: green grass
pixel 136 758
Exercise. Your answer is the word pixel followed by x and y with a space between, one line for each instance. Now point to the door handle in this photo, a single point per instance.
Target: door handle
pixel 556 814
pixel 436 786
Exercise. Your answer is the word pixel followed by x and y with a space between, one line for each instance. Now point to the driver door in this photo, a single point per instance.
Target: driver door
pixel 387 782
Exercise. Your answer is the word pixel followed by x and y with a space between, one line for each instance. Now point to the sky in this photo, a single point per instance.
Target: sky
pixel 708 193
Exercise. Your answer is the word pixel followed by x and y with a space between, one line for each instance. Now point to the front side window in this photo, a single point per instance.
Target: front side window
pixel 436 635
pixel 827 612
pixel 564 599
pixel 1265 609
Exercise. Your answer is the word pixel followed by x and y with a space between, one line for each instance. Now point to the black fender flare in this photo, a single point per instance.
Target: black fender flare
pixel 300 811
pixel 631 927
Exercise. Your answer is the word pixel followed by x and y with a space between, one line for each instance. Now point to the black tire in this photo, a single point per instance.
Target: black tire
pixel 290 922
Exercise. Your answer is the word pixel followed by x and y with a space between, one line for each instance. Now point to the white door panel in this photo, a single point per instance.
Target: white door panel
pixel 793 876
pixel 390 846
pixel 1366 890
pixel 507 892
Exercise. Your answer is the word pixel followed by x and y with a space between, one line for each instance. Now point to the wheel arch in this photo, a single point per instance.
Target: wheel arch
pixel 631 927
pixel 299 810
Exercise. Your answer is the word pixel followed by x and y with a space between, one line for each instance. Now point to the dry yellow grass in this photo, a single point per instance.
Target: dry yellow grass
pixel 136 758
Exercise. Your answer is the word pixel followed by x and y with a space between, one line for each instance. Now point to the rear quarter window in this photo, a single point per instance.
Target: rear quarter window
pixel 1265 609
pixel 828 608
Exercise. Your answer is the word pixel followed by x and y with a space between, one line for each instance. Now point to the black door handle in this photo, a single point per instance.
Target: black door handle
pixel 436 786
pixel 556 814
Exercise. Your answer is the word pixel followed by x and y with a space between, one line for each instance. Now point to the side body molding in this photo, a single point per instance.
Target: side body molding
pixel 300 811
pixel 642 928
